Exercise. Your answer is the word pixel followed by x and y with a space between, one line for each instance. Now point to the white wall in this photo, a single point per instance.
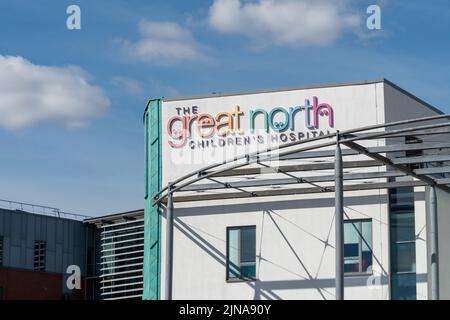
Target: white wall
pixel 295 248
pixel 295 234
pixel 354 106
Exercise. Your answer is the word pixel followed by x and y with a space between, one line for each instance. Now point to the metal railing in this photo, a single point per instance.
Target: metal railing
pixel 39 209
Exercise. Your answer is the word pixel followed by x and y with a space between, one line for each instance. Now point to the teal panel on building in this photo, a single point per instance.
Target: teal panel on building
pixel 153 175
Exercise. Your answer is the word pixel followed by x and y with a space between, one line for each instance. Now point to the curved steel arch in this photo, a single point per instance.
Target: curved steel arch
pixel 347 138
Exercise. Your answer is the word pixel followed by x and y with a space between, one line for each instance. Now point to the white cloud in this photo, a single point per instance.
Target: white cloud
pixel 31 94
pixel 294 23
pixel 164 42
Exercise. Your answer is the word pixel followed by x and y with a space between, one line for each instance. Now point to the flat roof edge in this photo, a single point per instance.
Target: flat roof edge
pixel 20 211
pixel 316 86
pixel 241 93
pixel 113 215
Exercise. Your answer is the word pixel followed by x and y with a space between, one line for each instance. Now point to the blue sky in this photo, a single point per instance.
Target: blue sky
pixel 90 161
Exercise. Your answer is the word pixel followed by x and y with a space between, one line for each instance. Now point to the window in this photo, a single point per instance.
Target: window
pixel 413 153
pixel 357 246
pixel 402 243
pixel 241 253
pixel 1 251
pixel 39 255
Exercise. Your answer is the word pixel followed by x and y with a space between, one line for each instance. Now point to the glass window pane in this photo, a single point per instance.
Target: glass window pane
pixel 366 261
pixel 351 239
pixel 404 257
pixel 403 196
pixel 351 232
pixel 351 265
pixel 357 246
pixel 366 258
pixel 404 286
pixel 351 250
pixel 402 226
pixel 366 231
pixel 248 244
pixel 233 253
pixel 403 252
pixel 242 253
pixel 248 271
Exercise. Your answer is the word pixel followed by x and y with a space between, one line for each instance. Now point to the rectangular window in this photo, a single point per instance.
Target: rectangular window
pixel 39 255
pixel 1 251
pixel 357 246
pixel 413 153
pixel 241 253
pixel 402 243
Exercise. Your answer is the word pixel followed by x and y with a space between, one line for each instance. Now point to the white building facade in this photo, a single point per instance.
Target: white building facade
pixel 283 247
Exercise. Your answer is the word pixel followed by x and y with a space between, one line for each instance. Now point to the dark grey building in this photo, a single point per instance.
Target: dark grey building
pixel 37 245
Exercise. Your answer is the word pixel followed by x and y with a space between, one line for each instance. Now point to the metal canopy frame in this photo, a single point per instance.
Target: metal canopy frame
pixel 413 152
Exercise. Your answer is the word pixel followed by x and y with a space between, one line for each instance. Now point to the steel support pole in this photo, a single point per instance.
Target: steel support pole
pixel 169 244
pixel 434 256
pixel 339 220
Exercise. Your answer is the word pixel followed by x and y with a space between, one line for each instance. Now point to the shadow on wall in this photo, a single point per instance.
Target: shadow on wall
pixel 266 289
pixel 278 205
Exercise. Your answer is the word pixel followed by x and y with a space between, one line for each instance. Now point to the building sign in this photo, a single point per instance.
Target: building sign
pixel 193 128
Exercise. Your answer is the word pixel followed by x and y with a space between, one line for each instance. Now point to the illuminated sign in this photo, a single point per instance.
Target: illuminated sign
pixel 278 119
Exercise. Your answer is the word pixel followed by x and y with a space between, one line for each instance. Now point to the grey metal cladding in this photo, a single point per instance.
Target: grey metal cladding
pixel 65 240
